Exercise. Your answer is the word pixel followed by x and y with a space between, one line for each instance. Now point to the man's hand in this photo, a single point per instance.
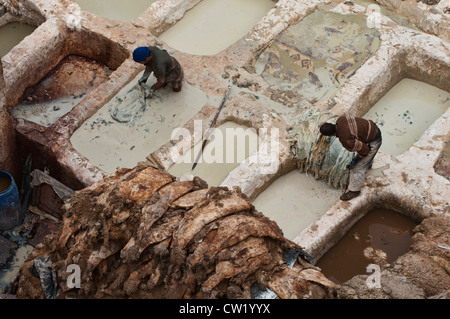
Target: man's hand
pixel 149 92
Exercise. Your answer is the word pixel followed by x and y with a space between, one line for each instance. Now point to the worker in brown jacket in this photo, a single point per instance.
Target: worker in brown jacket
pixel 356 135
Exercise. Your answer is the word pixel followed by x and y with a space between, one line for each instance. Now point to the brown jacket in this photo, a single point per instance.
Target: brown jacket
pixel 355 133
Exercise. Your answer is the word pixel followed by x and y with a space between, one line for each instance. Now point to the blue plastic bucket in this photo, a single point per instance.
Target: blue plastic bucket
pixel 10 212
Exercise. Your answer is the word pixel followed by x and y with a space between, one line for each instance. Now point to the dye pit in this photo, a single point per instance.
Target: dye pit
pixel 379 237
pixel 11 34
pixel 295 201
pixel 61 90
pixel 314 60
pixel 129 128
pixel 70 98
pixel 229 145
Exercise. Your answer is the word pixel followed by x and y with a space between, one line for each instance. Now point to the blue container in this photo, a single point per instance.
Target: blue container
pixel 10 212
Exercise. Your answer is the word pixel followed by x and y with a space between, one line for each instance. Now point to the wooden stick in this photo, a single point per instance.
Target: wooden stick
pixel 213 123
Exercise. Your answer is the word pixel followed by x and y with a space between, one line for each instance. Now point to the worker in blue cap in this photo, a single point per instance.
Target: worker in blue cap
pixel 165 68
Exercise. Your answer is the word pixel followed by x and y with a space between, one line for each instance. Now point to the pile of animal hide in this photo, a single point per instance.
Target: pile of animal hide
pixel 323 157
pixel 140 233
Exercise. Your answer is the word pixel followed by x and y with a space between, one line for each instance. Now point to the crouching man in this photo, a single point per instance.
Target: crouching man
pixel 356 135
pixel 165 67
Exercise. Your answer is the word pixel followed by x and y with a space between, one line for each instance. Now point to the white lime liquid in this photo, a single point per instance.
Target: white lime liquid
pixel 405 112
pixel 214 25
pixel 296 200
pixel 228 146
pixel 12 34
pixel 109 144
pixel 116 9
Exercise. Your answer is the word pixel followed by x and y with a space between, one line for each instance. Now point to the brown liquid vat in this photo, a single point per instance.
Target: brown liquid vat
pixel 380 237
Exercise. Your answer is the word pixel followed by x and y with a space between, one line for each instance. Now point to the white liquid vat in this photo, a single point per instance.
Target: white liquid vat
pixel 109 144
pixel 405 112
pixel 296 200
pixel 116 9
pixel 12 34
pixel 228 146
pixel 214 25
pixel 46 113
pixel 315 56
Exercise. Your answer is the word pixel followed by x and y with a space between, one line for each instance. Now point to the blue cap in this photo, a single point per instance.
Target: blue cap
pixel 140 54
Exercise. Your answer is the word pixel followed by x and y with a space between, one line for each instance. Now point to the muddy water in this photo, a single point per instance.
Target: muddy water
pixel 229 145
pixel 64 87
pixel 4 183
pixel 11 34
pixel 296 200
pixel 116 9
pixel 127 129
pixel 214 25
pixel 387 232
pixel 406 111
